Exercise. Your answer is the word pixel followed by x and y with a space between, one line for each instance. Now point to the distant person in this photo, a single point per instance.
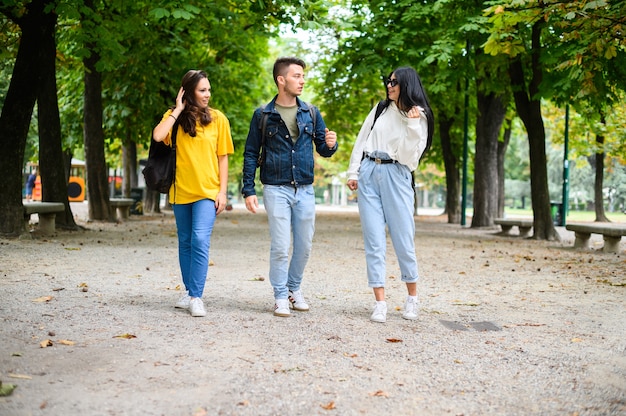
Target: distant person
pixel 198 194
pixel 385 153
pixel 30 185
pixel 285 156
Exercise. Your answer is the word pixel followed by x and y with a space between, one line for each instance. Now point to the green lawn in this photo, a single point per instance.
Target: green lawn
pixel 572 216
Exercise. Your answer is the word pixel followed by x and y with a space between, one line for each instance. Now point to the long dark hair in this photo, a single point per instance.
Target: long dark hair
pixel 411 94
pixel 193 112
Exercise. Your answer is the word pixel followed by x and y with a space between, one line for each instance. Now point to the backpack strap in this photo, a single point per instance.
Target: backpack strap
pixel 263 123
pixel 379 109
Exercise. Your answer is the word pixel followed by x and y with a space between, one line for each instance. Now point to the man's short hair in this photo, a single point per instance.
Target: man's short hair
pixel 281 66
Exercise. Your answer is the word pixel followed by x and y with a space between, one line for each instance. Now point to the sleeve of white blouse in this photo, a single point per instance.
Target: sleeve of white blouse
pixel 359 145
pixel 414 144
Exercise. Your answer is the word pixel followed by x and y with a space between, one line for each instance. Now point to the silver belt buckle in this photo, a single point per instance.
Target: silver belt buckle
pixel 378 160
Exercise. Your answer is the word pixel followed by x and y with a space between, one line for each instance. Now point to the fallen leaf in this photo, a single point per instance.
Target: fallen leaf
pixel 72 248
pixel 6 389
pixel 44 299
pixel 82 284
pixel 380 393
pixel 66 342
pixel 45 343
pixel 329 406
pixel 257 279
pixel 461 303
pixel 20 376
pixel 577 340
pixel 200 412
pixel 394 340
pixel 58 289
pixel 127 336
pixel 211 263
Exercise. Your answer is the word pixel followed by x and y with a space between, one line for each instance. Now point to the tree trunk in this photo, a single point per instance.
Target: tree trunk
pixel 53 174
pixel 528 105
pixel 129 165
pixel 598 194
pixel 152 201
pixel 97 170
pixel 491 112
pixel 502 146
pixel 453 177
pixel 17 111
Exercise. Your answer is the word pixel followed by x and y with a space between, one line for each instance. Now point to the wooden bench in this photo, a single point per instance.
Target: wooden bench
pixel 122 207
pixel 508 223
pixel 47 212
pixel 612 234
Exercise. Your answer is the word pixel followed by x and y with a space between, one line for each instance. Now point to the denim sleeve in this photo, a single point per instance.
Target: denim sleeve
pixel 251 154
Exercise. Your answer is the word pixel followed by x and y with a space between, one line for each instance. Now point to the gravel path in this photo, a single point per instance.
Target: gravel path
pixel 507 327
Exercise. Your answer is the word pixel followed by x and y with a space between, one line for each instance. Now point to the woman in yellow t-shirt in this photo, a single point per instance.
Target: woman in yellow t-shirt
pixel 198 194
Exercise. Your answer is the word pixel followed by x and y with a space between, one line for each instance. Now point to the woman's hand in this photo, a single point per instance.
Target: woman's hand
pixel 221 200
pixel 415 112
pixel 180 102
pixel 353 184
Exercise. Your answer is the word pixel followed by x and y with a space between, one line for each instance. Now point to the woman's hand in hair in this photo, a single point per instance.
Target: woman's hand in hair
pixel 180 101
pixel 415 112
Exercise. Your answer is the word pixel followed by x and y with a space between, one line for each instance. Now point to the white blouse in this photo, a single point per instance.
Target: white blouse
pixel 402 138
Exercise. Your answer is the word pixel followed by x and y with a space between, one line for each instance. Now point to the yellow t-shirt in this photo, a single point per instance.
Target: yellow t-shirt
pixel 197 170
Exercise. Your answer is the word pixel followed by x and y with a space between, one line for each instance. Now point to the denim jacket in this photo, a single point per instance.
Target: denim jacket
pixel 285 162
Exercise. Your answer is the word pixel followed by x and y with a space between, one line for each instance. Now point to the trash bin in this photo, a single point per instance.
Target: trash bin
pixel 556 208
pixel 137 195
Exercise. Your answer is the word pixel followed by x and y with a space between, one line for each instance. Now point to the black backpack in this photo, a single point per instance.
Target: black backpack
pixel 263 127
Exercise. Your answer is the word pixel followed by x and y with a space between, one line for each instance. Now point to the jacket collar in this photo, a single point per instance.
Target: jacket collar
pixel 271 106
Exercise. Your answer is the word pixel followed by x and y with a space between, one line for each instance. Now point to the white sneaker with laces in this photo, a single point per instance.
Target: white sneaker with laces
pixel 380 312
pixel 296 299
pixel 411 308
pixel 183 302
pixel 281 308
pixel 196 307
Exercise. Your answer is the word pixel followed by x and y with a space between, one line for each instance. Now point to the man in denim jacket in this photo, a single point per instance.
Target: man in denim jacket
pixel 286 162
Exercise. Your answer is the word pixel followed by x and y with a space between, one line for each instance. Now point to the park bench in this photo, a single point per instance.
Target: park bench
pixel 612 234
pixel 508 223
pixel 47 212
pixel 122 207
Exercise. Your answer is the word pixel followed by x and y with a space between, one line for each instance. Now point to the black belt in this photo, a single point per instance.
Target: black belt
pixel 380 161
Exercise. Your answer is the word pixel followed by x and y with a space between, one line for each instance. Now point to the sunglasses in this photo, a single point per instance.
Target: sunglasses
pixel 392 82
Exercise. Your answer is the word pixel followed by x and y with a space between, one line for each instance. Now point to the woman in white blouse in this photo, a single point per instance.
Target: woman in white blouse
pixel 387 150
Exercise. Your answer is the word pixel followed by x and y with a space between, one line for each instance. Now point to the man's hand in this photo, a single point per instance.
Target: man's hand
pixel 252 203
pixel 331 138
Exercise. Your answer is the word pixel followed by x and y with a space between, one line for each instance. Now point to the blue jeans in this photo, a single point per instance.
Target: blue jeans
pixel 194 223
pixel 290 212
pixel 385 198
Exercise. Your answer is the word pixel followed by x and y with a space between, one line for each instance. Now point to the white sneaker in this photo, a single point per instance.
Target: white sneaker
pixel 183 302
pixel 380 312
pixel 296 298
pixel 281 308
pixel 410 308
pixel 196 307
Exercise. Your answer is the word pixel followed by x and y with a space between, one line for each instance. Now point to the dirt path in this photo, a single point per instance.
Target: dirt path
pixel 507 326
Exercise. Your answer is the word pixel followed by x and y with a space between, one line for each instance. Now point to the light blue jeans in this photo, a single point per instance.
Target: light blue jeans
pixel 194 223
pixel 290 212
pixel 385 198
